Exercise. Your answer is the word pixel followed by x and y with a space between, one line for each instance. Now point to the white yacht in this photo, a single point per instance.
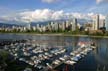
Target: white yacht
pixel 70 62
pixel 62 59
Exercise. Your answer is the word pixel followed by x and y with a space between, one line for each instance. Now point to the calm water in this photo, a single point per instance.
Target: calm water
pixel 96 60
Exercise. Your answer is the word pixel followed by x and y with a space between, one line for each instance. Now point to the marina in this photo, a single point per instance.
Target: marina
pixel 43 56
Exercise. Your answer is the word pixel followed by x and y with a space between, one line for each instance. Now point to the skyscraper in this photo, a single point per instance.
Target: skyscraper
pixel 93 25
pixel 106 23
pixel 96 23
pixel 67 24
pixel 63 26
pixel 56 26
pixel 74 24
pixel 29 26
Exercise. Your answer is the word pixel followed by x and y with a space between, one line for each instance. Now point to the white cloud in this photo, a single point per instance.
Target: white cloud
pixel 41 15
pixel 49 1
pixel 100 1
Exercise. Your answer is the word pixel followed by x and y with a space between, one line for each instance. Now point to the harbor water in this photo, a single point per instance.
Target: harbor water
pixel 96 60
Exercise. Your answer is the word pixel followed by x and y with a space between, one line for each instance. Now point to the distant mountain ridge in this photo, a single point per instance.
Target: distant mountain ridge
pixel 81 21
pixel 8 25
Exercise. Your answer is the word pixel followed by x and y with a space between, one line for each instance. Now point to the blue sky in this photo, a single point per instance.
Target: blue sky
pixel 71 6
pixel 83 6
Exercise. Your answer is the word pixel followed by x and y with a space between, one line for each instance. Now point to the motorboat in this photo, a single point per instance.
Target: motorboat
pixel 74 58
pixel 73 54
pixel 49 65
pixel 56 62
pixel 70 62
pixel 62 59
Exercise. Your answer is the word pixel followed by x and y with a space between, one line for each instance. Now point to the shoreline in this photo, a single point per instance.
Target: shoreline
pixel 57 34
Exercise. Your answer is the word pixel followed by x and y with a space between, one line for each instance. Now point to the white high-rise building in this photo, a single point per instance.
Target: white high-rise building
pixel 56 26
pixel 106 23
pixel 34 28
pixel 96 23
pixel 29 26
pixel 63 26
pixel 67 24
pixel 93 25
pixel 37 27
pixel 74 24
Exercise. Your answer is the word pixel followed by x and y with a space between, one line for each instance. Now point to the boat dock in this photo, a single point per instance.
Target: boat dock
pixel 74 56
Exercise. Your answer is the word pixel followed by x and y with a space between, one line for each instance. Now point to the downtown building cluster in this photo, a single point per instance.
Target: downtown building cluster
pixel 58 26
pixel 96 24
pixel 53 26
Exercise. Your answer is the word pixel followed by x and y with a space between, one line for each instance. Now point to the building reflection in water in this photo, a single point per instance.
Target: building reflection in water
pixel 101 55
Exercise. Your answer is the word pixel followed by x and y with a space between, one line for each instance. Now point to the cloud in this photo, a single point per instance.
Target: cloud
pixel 100 1
pixel 41 15
pixel 49 1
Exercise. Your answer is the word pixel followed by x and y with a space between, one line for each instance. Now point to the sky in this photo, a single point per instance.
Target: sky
pixel 25 11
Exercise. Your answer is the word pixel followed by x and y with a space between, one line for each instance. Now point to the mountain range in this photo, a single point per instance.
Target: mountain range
pixel 80 21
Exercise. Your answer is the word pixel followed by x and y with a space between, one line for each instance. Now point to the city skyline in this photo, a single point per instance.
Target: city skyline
pixel 25 11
